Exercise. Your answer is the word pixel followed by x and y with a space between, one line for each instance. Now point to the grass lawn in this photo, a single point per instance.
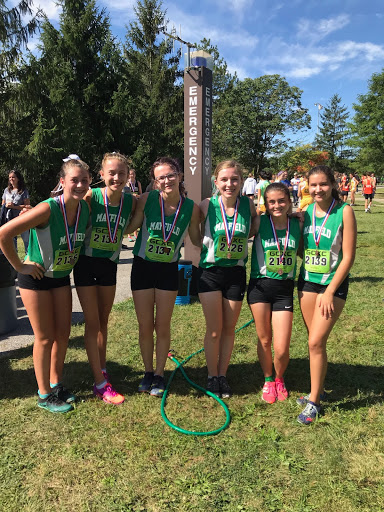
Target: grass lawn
pixel 105 458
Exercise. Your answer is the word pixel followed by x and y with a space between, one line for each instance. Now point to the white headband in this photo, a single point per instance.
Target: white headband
pixel 71 157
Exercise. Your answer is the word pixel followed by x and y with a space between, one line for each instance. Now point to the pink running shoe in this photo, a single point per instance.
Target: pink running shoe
pixel 281 390
pixel 108 395
pixel 269 392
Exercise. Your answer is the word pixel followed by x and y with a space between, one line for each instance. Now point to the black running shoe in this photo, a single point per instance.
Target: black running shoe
pixel 63 394
pixel 213 386
pixel 225 390
pixel 146 383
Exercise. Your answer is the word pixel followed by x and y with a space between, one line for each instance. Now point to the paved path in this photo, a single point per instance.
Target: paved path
pixel 22 336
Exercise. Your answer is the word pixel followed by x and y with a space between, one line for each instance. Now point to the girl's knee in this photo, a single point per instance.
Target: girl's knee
pixel 316 345
pixel 45 343
pixel 265 342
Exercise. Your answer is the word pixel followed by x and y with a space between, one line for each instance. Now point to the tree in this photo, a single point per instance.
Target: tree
pixel 334 132
pixel 367 127
pixel 154 95
pixel 14 34
pixel 66 94
pixel 257 116
pixel 302 158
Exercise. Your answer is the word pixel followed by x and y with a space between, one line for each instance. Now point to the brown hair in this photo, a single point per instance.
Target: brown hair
pixel 58 190
pixel 20 184
pixel 327 171
pixel 174 165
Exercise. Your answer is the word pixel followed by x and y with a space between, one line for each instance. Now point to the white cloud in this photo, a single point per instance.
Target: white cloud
pixel 315 30
pixel 345 58
pixel 195 27
pixel 50 7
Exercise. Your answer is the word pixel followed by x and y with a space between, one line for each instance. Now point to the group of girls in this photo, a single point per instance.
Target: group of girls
pixel 165 216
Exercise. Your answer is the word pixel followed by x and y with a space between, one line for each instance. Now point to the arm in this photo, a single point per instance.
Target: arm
pixel 138 217
pixel 255 220
pixel 258 200
pixel 194 227
pixel 349 251
pixel 38 216
pixel 203 207
pixel 140 190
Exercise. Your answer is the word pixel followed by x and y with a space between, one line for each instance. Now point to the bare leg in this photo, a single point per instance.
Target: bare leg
pixel 44 308
pixel 105 298
pixel 231 312
pixel 165 302
pixel 282 330
pixel 144 305
pixel 319 329
pixel 62 309
pixel 89 303
pixel 262 316
pixel 213 312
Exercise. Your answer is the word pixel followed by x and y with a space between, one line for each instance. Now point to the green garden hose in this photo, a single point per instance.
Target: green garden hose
pixel 179 366
pixel 245 325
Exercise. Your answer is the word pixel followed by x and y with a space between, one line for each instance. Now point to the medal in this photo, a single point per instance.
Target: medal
pixel 317 236
pixel 281 255
pixel 167 236
pixel 72 260
pixel 229 235
pixel 71 245
pixel 112 237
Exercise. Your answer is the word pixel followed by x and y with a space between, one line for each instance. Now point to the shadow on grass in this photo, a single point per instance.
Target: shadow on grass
pixel 369 279
pixel 346 383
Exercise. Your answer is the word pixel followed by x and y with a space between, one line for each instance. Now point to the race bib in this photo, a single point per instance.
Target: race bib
pixel 158 250
pixel 100 240
pixel 236 250
pixel 285 266
pixel 317 261
pixel 65 260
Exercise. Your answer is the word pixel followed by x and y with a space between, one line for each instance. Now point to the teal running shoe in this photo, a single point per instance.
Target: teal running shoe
pixel 53 404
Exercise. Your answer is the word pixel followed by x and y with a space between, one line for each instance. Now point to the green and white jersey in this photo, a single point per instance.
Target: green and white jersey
pixel 263 184
pixel 150 244
pixel 48 246
pixel 265 260
pixel 97 241
pixel 215 250
pixel 320 264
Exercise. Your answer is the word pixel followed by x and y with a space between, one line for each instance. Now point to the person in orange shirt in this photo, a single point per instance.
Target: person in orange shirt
pixel 368 191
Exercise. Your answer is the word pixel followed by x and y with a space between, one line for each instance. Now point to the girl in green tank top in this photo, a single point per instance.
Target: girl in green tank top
pixel 57 231
pixel 270 290
pixel 329 251
pixel 226 228
pixel 110 213
pixel 165 216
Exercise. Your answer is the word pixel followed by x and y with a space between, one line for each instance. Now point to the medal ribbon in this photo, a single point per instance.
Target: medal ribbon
pixel 166 237
pixel 281 256
pixel 229 236
pixel 132 185
pixel 112 237
pixel 64 212
pixel 318 236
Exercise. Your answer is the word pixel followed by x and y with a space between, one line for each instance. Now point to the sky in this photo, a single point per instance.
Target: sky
pixel 323 47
